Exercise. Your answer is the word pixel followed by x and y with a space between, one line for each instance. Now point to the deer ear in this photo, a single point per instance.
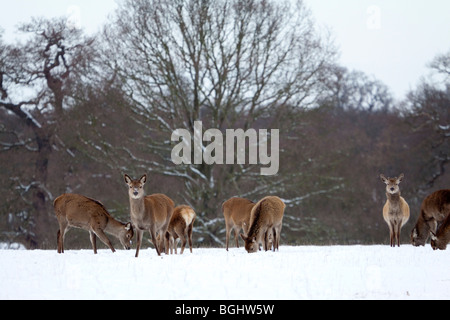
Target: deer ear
pixel 143 179
pixel 244 237
pixel 400 178
pixel 127 179
pixel 128 226
pixel 254 240
pixel 383 178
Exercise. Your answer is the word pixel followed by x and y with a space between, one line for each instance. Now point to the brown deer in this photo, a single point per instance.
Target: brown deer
pixel 435 209
pixel 396 209
pixel 74 210
pixel 180 226
pixel 148 213
pixel 266 218
pixel 442 236
pixel 236 212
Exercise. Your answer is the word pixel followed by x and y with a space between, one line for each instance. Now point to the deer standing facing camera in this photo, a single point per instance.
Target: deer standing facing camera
pixel 396 209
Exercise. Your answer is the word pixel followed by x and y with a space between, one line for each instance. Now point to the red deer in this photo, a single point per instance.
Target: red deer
pixel 266 218
pixel 73 210
pixel 396 209
pixel 442 236
pixel 237 216
pixel 435 209
pixel 148 213
pixel 180 226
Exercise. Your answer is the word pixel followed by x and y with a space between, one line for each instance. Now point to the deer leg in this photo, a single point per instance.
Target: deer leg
pixel 190 236
pixel 399 228
pixel 172 245
pixel 275 239
pixel 227 235
pixel 60 237
pixel 93 241
pixel 170 241
pixel 102 236
pixel 175 243
pixel 391 234
pixel 278 237
pixel 266 240
pixel 167 242
pixel 183 241
pixel 59 241
pixel 139 234
pixel 236 234
pixel 155 243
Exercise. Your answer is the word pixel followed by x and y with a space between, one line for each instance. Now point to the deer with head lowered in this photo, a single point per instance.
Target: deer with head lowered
pixel 236 212
pixel 180 227
pixel 73 210
pixel 396 209
pixel 266 220
pixel 442 236
pixel 435 210
pixel 148 213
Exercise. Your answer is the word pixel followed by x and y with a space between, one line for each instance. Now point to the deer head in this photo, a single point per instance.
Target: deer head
pixel 251 245
pixel 136 187
pixel 392 183
pixel 125 235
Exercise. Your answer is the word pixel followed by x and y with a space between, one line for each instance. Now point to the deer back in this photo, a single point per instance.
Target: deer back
pixel 436 206
pixel 159 207
pixel 237 210
pixel 80 211
pixel 268 212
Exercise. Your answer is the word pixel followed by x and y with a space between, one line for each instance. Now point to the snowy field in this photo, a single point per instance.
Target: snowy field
pixel 336 272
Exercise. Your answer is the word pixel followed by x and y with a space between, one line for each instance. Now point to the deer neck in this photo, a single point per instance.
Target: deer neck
pixel 113 227
pixel 137 206
pixel 393 198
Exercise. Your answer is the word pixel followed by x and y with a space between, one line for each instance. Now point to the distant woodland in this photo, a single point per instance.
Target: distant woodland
pixel 79 111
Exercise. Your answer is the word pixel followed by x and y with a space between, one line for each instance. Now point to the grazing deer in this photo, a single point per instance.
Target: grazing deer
pixel 396 209
pixel 237 216
pixel 435 210
pixel 180 226
pixel 73 210
pixel 266 218
pixel 148 213
pixel 442 236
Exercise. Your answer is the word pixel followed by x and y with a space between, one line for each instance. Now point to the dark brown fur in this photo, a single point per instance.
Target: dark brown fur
pixel 266 218
pixel 236 212
pixel 180 226
pixel 442 237
pixel 148 213
pixel 73 210
pixel 435 210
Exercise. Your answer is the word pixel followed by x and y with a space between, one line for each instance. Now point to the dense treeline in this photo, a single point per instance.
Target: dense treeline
pixel 77 112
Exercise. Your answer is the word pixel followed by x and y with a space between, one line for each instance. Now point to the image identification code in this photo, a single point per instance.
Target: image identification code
pixel 250 309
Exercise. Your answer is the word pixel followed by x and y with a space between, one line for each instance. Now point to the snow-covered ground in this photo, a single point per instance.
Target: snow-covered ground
pixel 309 272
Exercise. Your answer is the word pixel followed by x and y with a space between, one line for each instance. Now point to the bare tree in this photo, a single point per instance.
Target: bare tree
pixel 354 90
pixel 228 64
pixel 35 79
pixel 427 112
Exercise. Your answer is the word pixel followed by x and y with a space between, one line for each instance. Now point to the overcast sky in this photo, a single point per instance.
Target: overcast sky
pixel 393 40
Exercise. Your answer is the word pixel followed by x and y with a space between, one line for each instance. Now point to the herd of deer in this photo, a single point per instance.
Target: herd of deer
pixel 261 222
